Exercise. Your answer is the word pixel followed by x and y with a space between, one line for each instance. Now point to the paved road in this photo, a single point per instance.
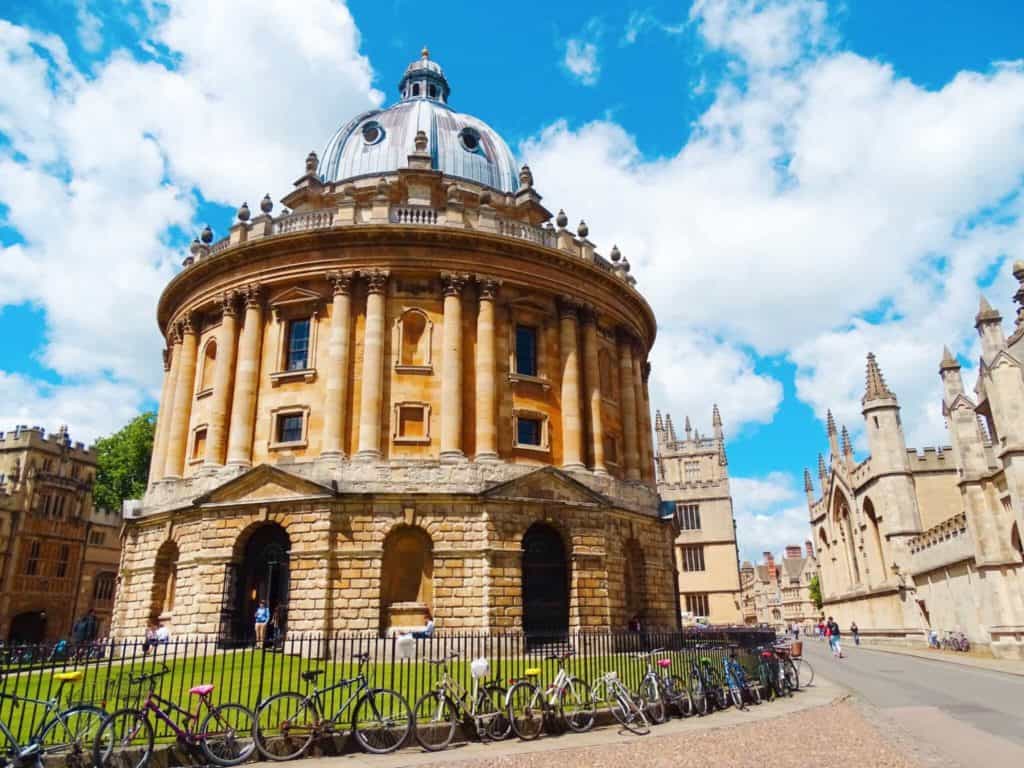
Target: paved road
pixel 971 716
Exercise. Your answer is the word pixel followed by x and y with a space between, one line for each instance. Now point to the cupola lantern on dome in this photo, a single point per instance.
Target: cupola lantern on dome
pixel 380 141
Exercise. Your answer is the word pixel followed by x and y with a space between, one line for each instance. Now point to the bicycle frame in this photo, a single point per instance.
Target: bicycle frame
pixel 316 697
pixel 153 704
pixel 49 705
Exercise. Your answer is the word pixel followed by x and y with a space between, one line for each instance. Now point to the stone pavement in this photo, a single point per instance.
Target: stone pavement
pixel 819 719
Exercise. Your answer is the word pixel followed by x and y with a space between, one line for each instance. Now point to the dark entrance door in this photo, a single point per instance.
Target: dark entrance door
pixel 545 585
pixel 28 628
pixel 263 574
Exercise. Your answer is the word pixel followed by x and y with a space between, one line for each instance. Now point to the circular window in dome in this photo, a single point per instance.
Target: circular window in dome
pixel 372 132
pixel 470 139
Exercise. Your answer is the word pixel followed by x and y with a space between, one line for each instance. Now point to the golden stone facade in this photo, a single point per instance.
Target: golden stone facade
pixel 411 391
pixel 58 554
pixel 911 542
pixel 778 594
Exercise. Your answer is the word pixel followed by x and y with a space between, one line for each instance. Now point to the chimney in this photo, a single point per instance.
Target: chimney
pixel 809 546
pixel 793 552
pixel 769 560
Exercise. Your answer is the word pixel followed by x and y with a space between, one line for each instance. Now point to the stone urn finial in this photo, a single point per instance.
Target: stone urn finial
pixel 243 212
pixel 583 230
pixel 615 254
pixel 485 197
pixel 420 141
pixel 312 162
pixel 561 220
pixel 525 177
pixel 206 235
pixel 266 204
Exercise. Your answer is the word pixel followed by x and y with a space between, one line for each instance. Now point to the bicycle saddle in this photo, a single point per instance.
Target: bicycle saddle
pixel 69 677
pixel 664 663
pixel 201 690
pixel 311 674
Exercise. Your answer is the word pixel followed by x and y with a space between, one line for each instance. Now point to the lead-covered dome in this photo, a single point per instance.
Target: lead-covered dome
pixel 381 140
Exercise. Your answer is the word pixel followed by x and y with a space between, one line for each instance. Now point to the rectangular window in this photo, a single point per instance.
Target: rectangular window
pixel 611 452
pixel 697 604
pixel 289 428
pixel 528 431
pixel 298 345
pixel 526 350
pixel 62 564
pixel 693 557
pixel 96 538
pixel 692 471
pixel 32 565
pixel 199 445
pixel 688 516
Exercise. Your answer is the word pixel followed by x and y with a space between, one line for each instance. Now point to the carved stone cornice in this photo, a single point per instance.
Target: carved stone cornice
pixel 453 284
pixel 376 280
pixel 341 283
pixel 487 288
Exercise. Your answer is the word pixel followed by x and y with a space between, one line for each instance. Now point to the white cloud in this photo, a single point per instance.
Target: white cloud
pixel 769 514
pixel 640 22
pixel 581 52
pixel 102 168
pixel 90 27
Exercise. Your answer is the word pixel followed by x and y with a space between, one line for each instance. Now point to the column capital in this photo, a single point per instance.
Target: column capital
pixel 588 314
pixel 341 282
pixel 569 307
pixel 453 283
pixel 487 287
pixel 187 323
pixel 252 294
pixel 625 337
pixel 376 280
pixel 226 302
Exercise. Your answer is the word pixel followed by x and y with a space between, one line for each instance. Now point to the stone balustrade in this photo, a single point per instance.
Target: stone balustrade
pixel 413 214
pixel 303 221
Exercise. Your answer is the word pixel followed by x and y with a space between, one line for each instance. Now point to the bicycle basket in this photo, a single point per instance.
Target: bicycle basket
pixel 480 668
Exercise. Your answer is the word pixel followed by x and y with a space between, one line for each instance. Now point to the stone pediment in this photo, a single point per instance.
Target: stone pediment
pixel 960 401
pixel 547 484
pixel 265 484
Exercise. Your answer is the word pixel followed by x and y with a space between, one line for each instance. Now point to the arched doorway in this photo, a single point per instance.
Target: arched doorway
pixel 165 581
pixel 261 571
pixel 545 584
pixel 28 628
pixel 407 574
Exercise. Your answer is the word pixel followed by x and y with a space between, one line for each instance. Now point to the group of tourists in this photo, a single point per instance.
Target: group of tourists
pixel 828 629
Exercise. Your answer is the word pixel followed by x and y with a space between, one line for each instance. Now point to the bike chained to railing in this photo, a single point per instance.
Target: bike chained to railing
pixel 248 676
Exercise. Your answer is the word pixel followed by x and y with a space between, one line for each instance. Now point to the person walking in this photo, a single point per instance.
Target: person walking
pixel 260 622
pixel 855 631
pixel 834 637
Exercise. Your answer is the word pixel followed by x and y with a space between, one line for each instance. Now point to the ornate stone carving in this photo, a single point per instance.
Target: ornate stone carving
pixel 453 283
pixel 487 288
pixel 341 282
pixel 376 280
pixel 188 322
pixel 226 302
pixel 568 307
pixel 252 294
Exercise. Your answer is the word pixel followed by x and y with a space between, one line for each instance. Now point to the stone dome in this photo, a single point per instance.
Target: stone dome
pixel 379 141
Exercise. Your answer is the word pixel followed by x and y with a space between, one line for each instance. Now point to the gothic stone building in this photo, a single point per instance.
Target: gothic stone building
pixel 413 389
pixel 911 541
pixel 693 481
pixel 778 594
pixel 58 554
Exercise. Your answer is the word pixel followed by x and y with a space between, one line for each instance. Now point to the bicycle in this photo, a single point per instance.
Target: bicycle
pixel 713 682
pixel 288 722
pixel 67 736
pixel 438 711
pixel 528 705
pixel 658 692
pixel 624 706
pixel 225 737
pixel 789 671
pixel 769 673
pixel 675 689
pixel 737 683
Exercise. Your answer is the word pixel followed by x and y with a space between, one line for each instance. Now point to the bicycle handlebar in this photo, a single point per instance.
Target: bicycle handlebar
pixel 560 656
pixel 150 676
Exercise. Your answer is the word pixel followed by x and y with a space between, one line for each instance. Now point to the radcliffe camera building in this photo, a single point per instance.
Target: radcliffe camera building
pixel 693 481
pixel 913 541
pixel 413 389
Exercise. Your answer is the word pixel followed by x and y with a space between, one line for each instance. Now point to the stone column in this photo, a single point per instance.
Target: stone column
pixel 650 475
pixel 336 397
pixel 486 375
pixel 628 405
pixel 224 377
pixel 643 440
pixel 247 374
pixel 183 396
pixel 171 357
pixel 451 369
pixel 373 362
pixel 572 426
pixel 592 380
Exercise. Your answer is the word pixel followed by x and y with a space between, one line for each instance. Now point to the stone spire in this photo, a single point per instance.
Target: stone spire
pixel 986 313
pixel 952 381
pixel 659 424
pixel 1018 272
pixel 846 444
pixel 822 472
pixel 989 324
pixel 716 423
pixel 833 438
pixel 670 428
pixel 948 362
pixel 808 485
pixel 830 422
pixel 875 387
pixel 688 428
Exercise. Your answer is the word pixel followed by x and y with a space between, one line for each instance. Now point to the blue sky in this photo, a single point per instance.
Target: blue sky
pixel 796 182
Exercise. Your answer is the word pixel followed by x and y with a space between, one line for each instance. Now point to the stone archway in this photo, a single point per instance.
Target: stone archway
pixel 545 570
pixel 407 575
pixel 165 582
pixel 260 570
pixel 28 628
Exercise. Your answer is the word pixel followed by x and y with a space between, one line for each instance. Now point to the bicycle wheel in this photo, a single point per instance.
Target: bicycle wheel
pixel 436 717
pixel 228 734
pixel 381 721
pixel 124 739
pixel 805 672
pixel 526 710
pixel 628 712
pixel 791 675
pixel 736 694
pixel 491 701
pixel 69 737
pixel 285 726
pixel 577 705
pixel 698 696
pixel 678 694
pixel 755 693
pixel 653 703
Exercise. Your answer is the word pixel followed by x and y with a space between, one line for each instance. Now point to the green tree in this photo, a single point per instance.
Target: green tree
pixel 122 463
pixel 815 588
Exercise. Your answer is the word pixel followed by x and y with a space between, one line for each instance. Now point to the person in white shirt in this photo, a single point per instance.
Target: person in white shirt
pixel 163 634
pixel 427 631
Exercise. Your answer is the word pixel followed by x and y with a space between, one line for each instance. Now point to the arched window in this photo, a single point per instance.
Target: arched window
pixel 209 365
pixel 414 330
pixel 165 580
pixel 875 534
pixel 407 575
pixel 604 366
pixel 416 89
